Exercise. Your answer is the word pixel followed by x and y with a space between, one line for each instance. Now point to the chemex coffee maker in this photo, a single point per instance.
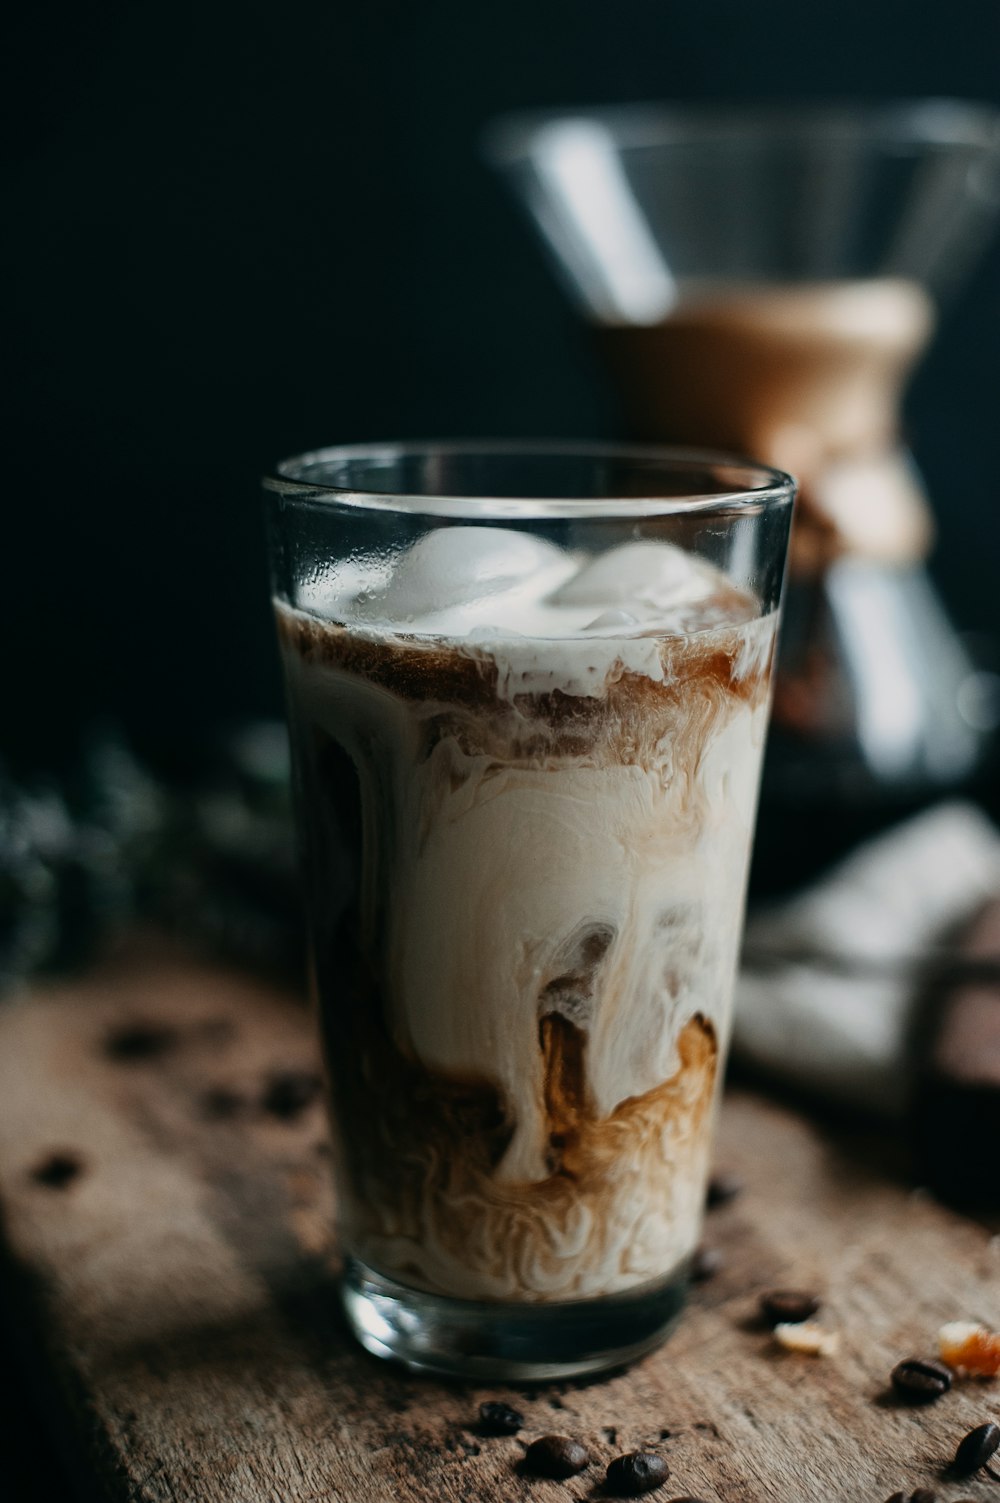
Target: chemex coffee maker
pixel 764 282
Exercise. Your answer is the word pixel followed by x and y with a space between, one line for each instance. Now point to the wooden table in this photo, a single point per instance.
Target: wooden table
pixel 168 1216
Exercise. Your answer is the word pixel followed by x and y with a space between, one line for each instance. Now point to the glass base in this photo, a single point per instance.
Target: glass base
pixel 514 1343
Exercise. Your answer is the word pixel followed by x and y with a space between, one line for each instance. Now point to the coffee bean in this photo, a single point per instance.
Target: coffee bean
pixel 788 1307
pixel 289 1093
pixel 636 1473
pixel 920 1379
pixel 705 1264
pixel 976 1449
pixel 556 1456
pixel 499 1419
pixel 57 1171
pixel 722 1188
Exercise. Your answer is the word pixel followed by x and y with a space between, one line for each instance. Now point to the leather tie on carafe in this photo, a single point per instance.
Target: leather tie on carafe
pixel 806 377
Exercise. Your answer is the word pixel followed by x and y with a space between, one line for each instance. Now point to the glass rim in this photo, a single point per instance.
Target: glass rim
pixel 762 487
pixel 931 121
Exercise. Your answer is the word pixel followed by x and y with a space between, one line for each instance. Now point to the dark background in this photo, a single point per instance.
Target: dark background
pixel 238 230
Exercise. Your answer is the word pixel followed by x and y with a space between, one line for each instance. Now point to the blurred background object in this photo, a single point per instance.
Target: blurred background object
pixel 208 857
pixel 763 280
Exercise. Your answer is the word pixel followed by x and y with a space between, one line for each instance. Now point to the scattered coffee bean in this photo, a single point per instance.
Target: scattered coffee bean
pixel 722 1188
pixel 636 1473
pixel 788 1307
pixel 499 1419
pixel 137 1041
pixel 920 1379
pixel 976 1449
pixel 57 1171
pixel 705 1264
pixel 289 1093
pixel 556 1456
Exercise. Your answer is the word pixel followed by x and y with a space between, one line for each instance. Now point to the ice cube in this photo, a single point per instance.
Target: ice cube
pixel 655 574
pixel 454 566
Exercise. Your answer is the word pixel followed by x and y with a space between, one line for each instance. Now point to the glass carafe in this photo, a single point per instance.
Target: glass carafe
pixel 765 281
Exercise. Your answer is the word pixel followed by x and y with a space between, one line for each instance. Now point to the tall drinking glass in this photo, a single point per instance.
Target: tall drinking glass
pixel 528 688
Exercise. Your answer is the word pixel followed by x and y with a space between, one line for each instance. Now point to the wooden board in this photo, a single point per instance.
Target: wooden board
pixel 175 1240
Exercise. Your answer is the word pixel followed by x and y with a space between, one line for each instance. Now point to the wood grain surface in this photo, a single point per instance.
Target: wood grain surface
pixel 170 1215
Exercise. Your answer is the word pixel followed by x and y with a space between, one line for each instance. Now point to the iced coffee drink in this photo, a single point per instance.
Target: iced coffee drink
pixel 527 754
